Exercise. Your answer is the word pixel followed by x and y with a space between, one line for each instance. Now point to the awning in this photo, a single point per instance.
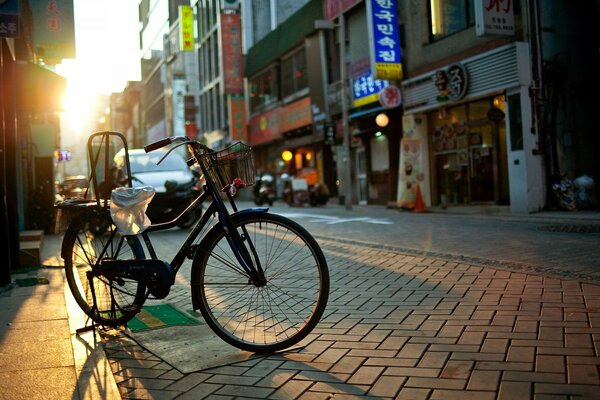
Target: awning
pixel 361 113
pixel 39 89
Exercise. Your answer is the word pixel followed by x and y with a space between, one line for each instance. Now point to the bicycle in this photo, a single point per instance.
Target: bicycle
pixel 260 280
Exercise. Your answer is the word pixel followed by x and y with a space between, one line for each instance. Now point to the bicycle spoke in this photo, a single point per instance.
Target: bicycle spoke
pixel 273 314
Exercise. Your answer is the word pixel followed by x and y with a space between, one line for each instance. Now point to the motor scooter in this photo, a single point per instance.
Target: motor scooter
pixel 264 190
pixel 166 206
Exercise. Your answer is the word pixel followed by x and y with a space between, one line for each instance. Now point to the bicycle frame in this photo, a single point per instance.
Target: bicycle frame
pixel 249 262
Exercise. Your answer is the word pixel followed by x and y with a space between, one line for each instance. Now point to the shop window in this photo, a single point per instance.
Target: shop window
pixel 449 16
pixel 264 89
pixel 293 73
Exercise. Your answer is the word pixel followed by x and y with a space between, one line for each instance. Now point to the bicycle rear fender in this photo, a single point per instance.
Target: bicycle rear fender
pixel 201 252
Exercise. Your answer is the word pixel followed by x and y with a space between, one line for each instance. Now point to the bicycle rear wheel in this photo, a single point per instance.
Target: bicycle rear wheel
pixel 266 318
pixel 89 239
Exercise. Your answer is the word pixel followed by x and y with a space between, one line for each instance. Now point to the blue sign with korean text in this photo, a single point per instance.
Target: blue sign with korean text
pixel 9 18
pixel 365 89
pixel 382 18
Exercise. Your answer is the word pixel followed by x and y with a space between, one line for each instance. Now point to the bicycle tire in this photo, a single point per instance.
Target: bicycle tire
pixel 112 303
pixel 268 318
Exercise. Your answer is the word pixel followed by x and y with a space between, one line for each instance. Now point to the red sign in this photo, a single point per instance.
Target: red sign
pixel 233 59
pixel 264 128
pixel 390 97
pixel 271 125
pixel 237 118
pixel 295 115
pixel 333 8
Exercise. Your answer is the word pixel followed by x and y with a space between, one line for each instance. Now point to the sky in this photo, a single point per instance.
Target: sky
pixel 107 49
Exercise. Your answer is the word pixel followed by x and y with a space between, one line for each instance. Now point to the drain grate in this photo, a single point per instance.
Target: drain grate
pixel 572 228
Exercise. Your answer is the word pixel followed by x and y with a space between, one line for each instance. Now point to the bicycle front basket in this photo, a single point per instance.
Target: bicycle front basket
pixel 234 162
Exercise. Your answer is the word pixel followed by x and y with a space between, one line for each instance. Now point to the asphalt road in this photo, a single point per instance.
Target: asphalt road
pixel 561 243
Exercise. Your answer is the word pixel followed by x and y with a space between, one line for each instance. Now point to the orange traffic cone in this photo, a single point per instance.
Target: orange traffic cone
pixel 419 203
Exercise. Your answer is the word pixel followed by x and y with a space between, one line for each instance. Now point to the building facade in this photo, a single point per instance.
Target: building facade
pixel 477 105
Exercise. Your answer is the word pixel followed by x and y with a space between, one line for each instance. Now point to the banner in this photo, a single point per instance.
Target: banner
pixel 384 39
pixel 53 29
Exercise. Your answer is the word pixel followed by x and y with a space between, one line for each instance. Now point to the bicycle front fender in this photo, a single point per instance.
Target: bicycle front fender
pixel 212 234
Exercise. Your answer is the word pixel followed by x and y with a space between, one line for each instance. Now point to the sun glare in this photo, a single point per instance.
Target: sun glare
pixel 79 98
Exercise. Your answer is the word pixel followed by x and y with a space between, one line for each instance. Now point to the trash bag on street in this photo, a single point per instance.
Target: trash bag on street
pixel 585 195
pixel 564 193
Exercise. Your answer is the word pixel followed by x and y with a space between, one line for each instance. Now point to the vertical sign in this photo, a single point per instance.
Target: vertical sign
pixel 9 18
pixel 186 28
pixel 384 39
pixel 179 89
pixel 494 17
pixel 233 61
pixel 54 29
pixel 237 118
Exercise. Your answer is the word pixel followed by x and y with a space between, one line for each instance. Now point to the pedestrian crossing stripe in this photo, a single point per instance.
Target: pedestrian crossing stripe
pixel 159 316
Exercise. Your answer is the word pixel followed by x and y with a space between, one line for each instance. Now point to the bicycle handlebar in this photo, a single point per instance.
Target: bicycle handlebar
pixel 157 145
pixel 174 139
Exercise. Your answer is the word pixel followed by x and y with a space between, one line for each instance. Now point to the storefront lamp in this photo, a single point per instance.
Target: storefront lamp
pixel 286 155
pixel 382 120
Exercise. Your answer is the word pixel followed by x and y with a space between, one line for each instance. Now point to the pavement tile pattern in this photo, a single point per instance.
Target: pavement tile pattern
pixel 405 326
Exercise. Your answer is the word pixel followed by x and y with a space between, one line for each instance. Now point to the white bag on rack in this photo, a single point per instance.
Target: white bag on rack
pixel 128 208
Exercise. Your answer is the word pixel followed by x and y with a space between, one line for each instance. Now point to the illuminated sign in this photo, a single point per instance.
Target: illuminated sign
pixel 384 39
pixel 365 89
pixel 186 28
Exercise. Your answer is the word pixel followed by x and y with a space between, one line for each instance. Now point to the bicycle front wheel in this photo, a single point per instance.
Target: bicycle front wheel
pixel 88 240
pixel 270 317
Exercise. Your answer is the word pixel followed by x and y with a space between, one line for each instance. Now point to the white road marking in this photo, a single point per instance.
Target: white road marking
pixel 328 220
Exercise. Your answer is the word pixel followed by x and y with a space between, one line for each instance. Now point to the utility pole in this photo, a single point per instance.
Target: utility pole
pixel 346 143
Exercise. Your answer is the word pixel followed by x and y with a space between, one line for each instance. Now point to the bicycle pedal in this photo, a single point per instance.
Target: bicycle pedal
pixel 132 309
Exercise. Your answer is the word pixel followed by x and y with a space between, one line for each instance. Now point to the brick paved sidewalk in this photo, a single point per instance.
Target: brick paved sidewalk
pixel 408 327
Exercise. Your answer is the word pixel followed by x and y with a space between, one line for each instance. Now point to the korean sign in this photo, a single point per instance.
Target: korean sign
pixel 9 18
pixel 365 89
pixel 54 29
pixel 384 39
pixel 452 84
pixel 233 59
pixel 237 118
pixel 186 28
pixel 494 17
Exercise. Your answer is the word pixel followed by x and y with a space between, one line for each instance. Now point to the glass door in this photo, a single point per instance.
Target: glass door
pixel 361 175
pixel 482 164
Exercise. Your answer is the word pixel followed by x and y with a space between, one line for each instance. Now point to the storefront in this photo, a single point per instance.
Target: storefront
pixel 469 159
pixel 285 143
pixel 466 134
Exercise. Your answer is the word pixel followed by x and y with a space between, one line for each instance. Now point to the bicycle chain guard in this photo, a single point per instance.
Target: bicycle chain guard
pixel 157 275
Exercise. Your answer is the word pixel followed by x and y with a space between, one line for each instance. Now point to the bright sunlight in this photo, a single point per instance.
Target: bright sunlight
pixel 106 35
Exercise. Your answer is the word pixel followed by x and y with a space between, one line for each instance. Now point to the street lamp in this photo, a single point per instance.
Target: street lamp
pixel 347 180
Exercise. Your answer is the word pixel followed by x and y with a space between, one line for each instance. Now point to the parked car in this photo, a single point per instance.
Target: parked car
pixel 174 182
pixel 73 186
